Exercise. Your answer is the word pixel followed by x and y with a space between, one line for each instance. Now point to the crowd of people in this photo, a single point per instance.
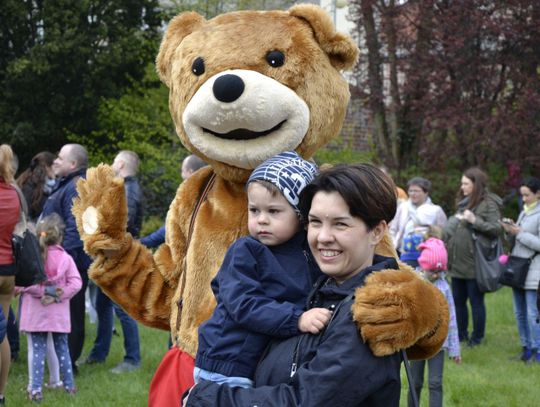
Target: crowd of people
pixel 256 308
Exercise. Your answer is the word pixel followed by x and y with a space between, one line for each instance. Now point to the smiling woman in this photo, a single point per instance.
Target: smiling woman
pixel 347 209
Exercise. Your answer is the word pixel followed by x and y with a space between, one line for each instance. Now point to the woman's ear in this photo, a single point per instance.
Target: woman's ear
pixel 377 233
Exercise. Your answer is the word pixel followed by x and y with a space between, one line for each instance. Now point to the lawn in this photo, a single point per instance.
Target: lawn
pixel 487 376
pixel 96 385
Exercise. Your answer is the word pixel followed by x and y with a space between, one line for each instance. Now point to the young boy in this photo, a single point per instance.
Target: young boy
pixel 432 262
pixel 262 285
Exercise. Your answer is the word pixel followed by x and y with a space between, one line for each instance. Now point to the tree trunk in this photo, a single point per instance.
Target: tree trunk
pixel 412 118
pixel 376 97
pixel 389 15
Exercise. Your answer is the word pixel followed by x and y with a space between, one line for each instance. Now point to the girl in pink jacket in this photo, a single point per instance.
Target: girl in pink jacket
pixel 45 307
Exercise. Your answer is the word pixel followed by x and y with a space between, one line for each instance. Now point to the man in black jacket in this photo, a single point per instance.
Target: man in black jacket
pixel 69 166
pixel 125 165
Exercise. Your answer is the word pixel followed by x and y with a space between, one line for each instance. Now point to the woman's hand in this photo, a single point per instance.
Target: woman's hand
pixel 509 226
pixel 469 216
pixel 314 320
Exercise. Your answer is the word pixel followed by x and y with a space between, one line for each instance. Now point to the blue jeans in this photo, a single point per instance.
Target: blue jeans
pixel 105 308
pixel 232 381
pixel 526 314
pixel 464 290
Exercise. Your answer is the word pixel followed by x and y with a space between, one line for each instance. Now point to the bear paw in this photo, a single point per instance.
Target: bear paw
pixel 101 211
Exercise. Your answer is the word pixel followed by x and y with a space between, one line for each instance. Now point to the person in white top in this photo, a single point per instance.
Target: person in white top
pixel 413 217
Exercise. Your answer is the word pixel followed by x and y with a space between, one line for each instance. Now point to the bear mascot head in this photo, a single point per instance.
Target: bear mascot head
pixel 244 86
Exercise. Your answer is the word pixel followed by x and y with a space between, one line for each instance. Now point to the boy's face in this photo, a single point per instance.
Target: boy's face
pixel 271 219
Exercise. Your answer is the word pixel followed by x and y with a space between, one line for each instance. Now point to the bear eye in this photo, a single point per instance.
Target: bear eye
pixel 197 67
pixel 275 59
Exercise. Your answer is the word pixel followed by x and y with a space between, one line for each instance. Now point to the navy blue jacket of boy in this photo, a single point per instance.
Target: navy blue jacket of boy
pixel 261 292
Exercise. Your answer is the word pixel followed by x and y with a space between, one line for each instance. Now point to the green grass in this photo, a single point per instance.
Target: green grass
pixel 487 377
pixel 96 385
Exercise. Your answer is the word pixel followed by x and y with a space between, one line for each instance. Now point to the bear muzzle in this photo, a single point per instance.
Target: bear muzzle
pixel 246 116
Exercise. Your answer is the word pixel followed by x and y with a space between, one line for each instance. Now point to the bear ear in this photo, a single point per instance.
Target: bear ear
pixel 179 28
pixel 340 48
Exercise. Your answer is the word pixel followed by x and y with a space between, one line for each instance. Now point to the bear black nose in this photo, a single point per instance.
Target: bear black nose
pixel 228 88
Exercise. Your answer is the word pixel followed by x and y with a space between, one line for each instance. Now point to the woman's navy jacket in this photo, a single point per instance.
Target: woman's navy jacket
pixel 334 368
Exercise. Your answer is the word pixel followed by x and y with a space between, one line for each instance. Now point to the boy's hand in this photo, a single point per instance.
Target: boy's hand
pixel 314 320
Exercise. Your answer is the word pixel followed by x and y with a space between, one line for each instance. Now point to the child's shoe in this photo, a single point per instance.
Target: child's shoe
pixel 526 354
pixel 536 357
pixel 71 391
pixel 35 396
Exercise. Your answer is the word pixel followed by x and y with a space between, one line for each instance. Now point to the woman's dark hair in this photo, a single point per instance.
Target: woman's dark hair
pixel 368 192
pixel 532 183
pixel 36 174
pixel 480 180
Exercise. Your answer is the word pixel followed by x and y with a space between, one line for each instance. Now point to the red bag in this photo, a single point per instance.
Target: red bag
pixel 173 377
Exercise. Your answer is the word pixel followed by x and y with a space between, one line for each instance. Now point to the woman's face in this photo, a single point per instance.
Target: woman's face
pixel 417 195
pixel 467 186
pixel 529 197
pixel 341 244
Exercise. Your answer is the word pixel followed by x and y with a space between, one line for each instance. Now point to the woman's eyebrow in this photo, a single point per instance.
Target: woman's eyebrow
pixel 345 217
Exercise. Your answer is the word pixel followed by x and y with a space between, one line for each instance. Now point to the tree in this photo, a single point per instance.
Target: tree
pixel 140 121
pixel 211 8
pixel 460 81
pixel 59 58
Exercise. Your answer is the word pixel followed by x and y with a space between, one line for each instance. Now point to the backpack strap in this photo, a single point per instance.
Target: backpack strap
pixel 410 378
pixel 203 193
pixel 24 207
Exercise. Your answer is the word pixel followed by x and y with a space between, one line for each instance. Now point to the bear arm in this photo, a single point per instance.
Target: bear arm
pixel 397 309
pixel 138 282
pixel 430 344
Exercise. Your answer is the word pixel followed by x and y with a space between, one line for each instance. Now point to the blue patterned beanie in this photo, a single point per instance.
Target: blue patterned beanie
pixel 289 172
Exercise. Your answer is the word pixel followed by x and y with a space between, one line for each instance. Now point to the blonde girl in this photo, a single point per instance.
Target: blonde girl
pixel 45 307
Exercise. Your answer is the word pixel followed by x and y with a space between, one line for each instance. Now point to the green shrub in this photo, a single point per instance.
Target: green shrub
pixel 341 151
pixel 140 121
pixel 151 224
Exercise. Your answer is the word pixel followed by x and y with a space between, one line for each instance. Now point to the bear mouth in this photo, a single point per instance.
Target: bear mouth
pixel 244 134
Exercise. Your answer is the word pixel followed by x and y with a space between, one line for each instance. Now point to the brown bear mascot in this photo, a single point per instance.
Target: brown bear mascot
pixel 243 86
